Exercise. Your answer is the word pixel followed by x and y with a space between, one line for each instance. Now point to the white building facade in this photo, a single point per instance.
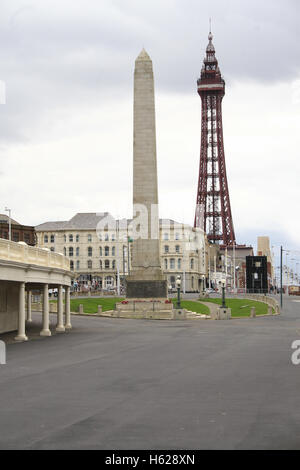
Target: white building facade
pixel 100 252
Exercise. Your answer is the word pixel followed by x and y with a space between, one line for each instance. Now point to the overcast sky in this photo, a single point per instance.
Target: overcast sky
pixel 66 128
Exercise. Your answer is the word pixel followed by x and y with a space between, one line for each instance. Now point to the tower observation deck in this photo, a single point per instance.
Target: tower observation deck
pixel 213 211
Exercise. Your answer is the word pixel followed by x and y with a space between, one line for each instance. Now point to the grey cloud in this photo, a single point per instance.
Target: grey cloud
pixel 64 54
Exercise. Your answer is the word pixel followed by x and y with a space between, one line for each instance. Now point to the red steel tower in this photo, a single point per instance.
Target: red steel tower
pixel 213 212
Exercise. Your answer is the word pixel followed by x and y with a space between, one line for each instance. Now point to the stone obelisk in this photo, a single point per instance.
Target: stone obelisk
pixel 146 280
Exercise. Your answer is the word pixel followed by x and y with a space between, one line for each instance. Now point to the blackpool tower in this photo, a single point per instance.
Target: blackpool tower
pixel 213 212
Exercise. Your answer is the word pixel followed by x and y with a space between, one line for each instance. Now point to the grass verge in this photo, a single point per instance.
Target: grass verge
pixel 90 305
pixel 242 307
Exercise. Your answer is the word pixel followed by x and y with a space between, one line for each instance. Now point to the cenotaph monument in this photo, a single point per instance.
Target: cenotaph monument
pixel 146 287
pixel 146 280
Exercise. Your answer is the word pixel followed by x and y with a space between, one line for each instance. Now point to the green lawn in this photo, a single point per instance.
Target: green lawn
pixel 242 307
pixel 90 305
pixel 239 307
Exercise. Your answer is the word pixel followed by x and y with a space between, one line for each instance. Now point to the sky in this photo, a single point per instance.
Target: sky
pixel 66 126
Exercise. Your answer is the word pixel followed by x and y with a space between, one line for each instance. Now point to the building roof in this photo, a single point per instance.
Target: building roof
pixel 4 218
pixel 48 226
pixel 80 221
pixel 90 220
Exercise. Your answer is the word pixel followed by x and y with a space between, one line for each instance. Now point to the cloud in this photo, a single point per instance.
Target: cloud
pixel 66 127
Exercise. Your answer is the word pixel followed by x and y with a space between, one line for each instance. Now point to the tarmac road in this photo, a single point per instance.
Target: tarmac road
pixel 144 384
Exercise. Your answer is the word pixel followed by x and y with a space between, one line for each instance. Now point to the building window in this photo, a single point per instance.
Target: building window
pixel 100 251
pixel 65 251
pixel 113 251
pixel 166 248
pixel 106 251
pixel 27 238
pixel 90 251
pixel 100 263
pixel 192 263
pixel 179 263
pixel 71 238
pixel 46 239
pixel 113 237
pixel 71 251
pixel 77 265
pixel 77 251
pixel 72 265
pixel 52 239
pixel 177 236
pixel 172 263
pixel 173 282
pixel 89 237
pixel 192 282
pixel 106 264
pixel 166 236
pixel 16 236
pixel 90 264
pixel 166 263
pixel 109 281
pixel 65 238
pixel 114 264
pixel 106 238
pixel 177 249
pixel 77 238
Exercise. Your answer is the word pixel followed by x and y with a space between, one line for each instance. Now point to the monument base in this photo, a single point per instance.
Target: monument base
pixel 158 309
pixel 152 289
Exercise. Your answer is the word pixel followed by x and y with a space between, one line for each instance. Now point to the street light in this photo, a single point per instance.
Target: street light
pixel 9 222
pixel 178 284
pixel 223 293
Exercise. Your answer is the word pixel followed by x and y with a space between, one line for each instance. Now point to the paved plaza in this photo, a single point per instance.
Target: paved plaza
pixel 143 384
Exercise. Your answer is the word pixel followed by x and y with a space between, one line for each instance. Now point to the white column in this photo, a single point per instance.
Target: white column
pixel 22 317
pixel 45 331
pixel 68 325
pixel 29 299
pixel 60 312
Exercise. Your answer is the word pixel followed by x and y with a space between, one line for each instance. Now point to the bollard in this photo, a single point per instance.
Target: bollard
pixel 99 308
pixel 253 312
pixel 81 309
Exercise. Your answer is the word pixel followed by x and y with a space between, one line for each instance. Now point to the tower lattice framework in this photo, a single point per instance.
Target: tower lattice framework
pixel 213 211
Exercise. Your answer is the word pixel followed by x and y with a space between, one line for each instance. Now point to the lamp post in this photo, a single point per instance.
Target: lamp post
pixel 9 222
pixel 178 284
pixel 223 293
pixel 203 282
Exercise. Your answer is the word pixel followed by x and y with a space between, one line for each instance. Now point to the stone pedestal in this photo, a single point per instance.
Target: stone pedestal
pixel 179 314
pixel 146 289
pixel 157 309
pixel 221 314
